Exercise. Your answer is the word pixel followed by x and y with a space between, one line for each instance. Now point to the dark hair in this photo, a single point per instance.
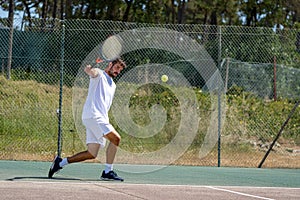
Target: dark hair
pixel 119 61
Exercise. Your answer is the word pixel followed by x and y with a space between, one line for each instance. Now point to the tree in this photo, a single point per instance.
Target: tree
pixel 217 12
pixel 181 12
pixel 128 7
pixel 268 13
pixel 54 9
pixel 292 12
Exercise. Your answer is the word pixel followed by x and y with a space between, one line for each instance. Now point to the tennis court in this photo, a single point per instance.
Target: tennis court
pixel 28 180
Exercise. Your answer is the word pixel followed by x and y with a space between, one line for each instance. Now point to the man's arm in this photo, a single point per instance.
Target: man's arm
pixel 91 71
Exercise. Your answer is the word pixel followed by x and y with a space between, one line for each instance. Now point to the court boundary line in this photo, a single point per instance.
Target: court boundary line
pixel 108 184
pixel 116 190
pixel 55 181
pixel 239 193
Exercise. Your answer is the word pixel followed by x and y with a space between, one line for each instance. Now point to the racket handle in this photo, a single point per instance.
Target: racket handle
pixel 97 62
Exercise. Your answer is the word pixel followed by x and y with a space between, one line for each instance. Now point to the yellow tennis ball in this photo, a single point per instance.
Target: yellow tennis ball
pixel 164 78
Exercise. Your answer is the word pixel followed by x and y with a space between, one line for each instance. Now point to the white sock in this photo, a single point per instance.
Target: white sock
pixel 63 162
pixel 108 168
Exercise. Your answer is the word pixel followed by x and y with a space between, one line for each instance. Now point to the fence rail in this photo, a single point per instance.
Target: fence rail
pixel 217 107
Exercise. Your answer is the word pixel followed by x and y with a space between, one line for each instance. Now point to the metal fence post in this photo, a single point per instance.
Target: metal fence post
pixel 11 35
pixel 219 98
pixel 59 136
pixel 274 79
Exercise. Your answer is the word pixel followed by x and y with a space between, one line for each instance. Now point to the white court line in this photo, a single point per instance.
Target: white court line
pixel 239 193
pixel 108 184
pixel 87 181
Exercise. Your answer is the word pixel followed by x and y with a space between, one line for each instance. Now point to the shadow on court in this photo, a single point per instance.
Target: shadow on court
pixel 41 178
pixel 28 180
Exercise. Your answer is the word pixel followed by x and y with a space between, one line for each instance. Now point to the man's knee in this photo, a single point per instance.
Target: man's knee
pixel 93 150
pixel 91 155
pixel 117 140
pixel 114 138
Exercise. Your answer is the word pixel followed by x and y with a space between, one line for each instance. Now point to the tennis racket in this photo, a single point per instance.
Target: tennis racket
pixel 111 49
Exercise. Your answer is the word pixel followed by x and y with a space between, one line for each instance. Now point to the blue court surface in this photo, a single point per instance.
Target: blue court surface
pixel 28 180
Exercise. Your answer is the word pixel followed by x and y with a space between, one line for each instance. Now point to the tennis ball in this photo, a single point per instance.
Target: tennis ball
pixel 164 78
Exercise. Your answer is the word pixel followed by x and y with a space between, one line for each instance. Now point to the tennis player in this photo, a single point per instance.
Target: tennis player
pixel 95 118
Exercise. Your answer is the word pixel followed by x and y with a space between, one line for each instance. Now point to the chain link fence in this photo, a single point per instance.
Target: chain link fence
pixel 229 90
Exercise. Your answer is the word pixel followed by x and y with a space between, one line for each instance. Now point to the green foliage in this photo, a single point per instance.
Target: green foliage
pixel 235 91
pixel 51 78
pixel 257 45
pixel 140 105
pixel 28 121
pixel 268 13
pixel 29 124
pixel 251 13
pixel 261 119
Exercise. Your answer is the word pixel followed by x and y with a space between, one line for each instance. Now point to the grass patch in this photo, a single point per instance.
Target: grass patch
pixel 28 124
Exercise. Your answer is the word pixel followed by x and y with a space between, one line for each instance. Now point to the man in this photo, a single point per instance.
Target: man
pixel 95 118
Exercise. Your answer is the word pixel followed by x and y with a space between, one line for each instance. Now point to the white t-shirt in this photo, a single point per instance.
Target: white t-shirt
pixel 100 96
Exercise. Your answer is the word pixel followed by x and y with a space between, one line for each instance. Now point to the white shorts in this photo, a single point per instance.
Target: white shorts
pixel 95 131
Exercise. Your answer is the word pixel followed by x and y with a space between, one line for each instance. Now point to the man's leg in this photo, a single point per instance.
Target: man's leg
pixel 58 163
pixel 108 173
pixel 111 153
pixel 111 150
pixel 91 153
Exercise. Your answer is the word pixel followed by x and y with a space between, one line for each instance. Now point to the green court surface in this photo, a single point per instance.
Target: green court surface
pixel 28 180
pixel 169 175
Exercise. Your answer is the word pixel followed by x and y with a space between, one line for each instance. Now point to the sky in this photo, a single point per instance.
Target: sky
pixel 3 13
pixel 17 17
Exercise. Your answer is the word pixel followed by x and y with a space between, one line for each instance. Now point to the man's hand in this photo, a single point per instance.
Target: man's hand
pixel 91 71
